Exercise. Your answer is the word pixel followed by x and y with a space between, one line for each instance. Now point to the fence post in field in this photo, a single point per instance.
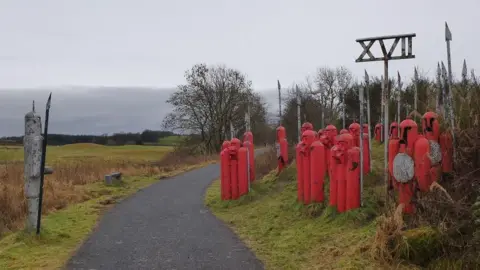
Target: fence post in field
pixel 32 147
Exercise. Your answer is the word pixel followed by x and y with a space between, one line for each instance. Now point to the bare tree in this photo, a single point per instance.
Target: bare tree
pixel 212 98
pixel 328 85
pixel 327 92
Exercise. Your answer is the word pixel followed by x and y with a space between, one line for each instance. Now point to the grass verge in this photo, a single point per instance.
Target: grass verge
pixel 287 235
pixel 64 230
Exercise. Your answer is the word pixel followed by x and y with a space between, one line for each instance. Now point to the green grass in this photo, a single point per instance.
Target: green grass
pixel 64 230
pixel 90 151
pixel 171 140
pixel 287 235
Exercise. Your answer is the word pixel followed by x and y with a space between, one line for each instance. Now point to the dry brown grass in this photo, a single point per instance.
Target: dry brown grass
pixel 70 181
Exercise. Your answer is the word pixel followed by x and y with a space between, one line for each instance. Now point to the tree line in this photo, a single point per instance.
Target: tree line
pixel 139 138
pixel 214 97
pixel 324 91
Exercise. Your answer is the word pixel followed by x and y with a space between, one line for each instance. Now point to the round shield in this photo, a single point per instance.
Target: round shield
pixel 403 168
pixel 435 152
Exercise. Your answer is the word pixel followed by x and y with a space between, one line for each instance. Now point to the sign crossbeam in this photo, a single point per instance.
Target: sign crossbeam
pixel 406 53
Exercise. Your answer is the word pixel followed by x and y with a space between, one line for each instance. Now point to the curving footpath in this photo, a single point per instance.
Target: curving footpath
pixel 165 226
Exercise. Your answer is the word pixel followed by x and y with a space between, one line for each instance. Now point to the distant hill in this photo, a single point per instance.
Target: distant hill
pixel 86 110
pixel 93 110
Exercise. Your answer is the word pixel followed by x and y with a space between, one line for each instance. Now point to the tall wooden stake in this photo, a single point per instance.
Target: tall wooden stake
pixel 279 103
pixel 448 38
pixel 299 123
pixel 367 89
pixel 399 91
pixel 415 92
pixel 42 168
pixel 361 143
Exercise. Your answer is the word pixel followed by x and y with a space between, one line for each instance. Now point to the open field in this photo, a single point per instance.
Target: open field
pixel 82 151
pixel 287 235
pixel 171 140
pixel 77 166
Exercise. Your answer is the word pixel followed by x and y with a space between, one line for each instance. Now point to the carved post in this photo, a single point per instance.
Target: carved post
pixel 32 146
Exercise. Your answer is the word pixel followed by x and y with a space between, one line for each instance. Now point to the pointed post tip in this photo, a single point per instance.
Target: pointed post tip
pixel 448 33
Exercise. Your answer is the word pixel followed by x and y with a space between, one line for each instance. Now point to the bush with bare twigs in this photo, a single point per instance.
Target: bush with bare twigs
pixel 445 230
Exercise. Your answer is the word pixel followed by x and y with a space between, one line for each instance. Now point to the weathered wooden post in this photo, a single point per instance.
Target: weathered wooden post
pixel 367 89
pixel 32 147
pixel 299 121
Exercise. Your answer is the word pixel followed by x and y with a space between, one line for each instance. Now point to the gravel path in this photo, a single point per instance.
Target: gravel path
pixel 165 226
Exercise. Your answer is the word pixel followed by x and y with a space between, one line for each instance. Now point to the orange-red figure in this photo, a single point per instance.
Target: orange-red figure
pixel 233 170
pixel 352 185
pixel 328 141
pixel 417 159
pixel 303 166
pixel 365 128
pixel 306 126
pixel 318 168
pixel 339 163
pixel 378 132
pixel 441 144
pixel 403 165
pixel 354 130
pixel 393 131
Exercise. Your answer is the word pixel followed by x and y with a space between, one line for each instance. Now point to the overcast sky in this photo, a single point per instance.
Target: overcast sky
pixel 52 43
pixel 152 42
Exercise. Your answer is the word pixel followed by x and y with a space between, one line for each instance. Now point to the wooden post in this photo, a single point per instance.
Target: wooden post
pixel 32 147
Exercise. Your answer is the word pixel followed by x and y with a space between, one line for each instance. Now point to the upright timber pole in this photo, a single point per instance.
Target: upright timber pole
pixel 474 77
pixel 399 91
pixel 361 95
pixel 323 117
pixel 248 128
pixel 279 103
pixel 367 89
pixel 406 53
pixel 441 92
pixel 448 38
pixel 382 107
pixel 42 165
pixel 464 74
pixel 32 147
pixel 415 92
pixel 299 122
pixel 343 107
